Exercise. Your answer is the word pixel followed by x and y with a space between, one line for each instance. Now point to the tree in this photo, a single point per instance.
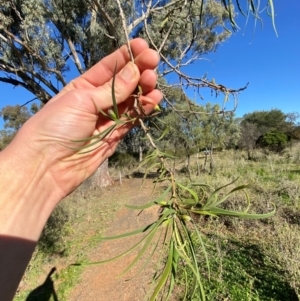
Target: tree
pixel 275 141
pixel 14 117
pixel 266 120
pixel 249 135
pixel 255 125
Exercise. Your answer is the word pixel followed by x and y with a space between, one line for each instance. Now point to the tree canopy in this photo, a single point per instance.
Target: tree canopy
pixel 44 43
pixel 270 129
pixel 43 40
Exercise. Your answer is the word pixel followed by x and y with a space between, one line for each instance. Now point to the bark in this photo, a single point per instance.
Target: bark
pixel 101 177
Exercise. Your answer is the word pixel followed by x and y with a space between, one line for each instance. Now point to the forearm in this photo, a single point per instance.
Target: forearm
pixel 26 201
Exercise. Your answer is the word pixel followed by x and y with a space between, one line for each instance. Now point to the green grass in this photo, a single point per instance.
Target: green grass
pixel 254 260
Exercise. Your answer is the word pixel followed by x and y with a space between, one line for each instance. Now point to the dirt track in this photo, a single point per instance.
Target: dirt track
pixel 101 282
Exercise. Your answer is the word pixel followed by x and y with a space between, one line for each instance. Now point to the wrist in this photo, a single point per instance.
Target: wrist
pixel 27 194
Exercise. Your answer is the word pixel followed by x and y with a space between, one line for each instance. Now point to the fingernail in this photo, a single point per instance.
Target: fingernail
pixel 128 72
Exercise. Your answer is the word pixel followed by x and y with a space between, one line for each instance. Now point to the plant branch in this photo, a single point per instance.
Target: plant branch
pixel 125 30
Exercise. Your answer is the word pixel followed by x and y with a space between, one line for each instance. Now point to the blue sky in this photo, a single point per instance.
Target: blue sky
pixel 270 64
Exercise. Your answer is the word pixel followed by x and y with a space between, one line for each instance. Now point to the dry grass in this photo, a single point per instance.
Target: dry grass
pixel 248 258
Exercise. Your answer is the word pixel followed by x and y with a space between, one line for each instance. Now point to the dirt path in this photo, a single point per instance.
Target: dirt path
pixel 101 282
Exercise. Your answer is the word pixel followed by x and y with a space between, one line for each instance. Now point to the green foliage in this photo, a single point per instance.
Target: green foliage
pixel 270 129
pixel 42 40
pixel 275 141
pixel 236 276
pixel 14 116
pixel 53 238
pixel 249 260
pixel 206 20
pixel 175 224
pixel 123 160
pixel 266 120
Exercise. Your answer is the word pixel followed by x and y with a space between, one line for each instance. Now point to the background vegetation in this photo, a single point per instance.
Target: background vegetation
pixel 250 260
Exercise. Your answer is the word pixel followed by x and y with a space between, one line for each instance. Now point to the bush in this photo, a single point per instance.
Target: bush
pixel 273 140
pixel 122 160
pixel 53 238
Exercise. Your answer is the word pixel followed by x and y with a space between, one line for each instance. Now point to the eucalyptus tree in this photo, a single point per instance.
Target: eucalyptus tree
pixel 215 131
pixel 14 117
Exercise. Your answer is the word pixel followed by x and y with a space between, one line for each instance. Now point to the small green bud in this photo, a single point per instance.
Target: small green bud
pixel 186 217
pixel 162 203
pixel 165 222
pixel 112 114
pixel 157 108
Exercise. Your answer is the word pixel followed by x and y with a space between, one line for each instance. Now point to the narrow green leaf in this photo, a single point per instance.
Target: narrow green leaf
pixel 202 247
pixel 271 5
pixel 166 273
pixel 164 133
pixel 195 271
pixel 147 261
pixel 103 113
pixel 220 211
pixel 231 17
pixel 191 261
pixel 212 199
pixel 150 168
pixel 202 212
pixel 116 257
pixel 153 228
pixel 239 8
pixel 173 273
pixel 114 95
pixel 141 207
pixel 142 251
pixel 137 231
pixel 192 192
pixel 222 200
pixel 99 136
pixel 202 185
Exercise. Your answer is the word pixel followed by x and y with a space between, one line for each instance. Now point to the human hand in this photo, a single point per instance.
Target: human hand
pixel 71 115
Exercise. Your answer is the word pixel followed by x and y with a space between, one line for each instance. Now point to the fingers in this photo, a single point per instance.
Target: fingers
pixel 125 83
pixel 148 81
pixel 103 71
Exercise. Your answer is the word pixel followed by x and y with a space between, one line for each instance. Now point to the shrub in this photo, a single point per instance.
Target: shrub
pixel 273 140
pixel 53 238
pixel 122 160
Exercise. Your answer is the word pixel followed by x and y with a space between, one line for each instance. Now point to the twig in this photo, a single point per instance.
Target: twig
pixel 26 103
pixel 125 30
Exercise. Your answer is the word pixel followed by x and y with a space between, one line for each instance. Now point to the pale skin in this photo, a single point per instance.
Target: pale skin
pixel 39 167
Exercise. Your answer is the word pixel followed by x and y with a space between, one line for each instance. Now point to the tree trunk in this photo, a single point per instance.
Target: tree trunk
pixel 101 177
pixel 140 153
pixel 211 164
pixel 197 163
